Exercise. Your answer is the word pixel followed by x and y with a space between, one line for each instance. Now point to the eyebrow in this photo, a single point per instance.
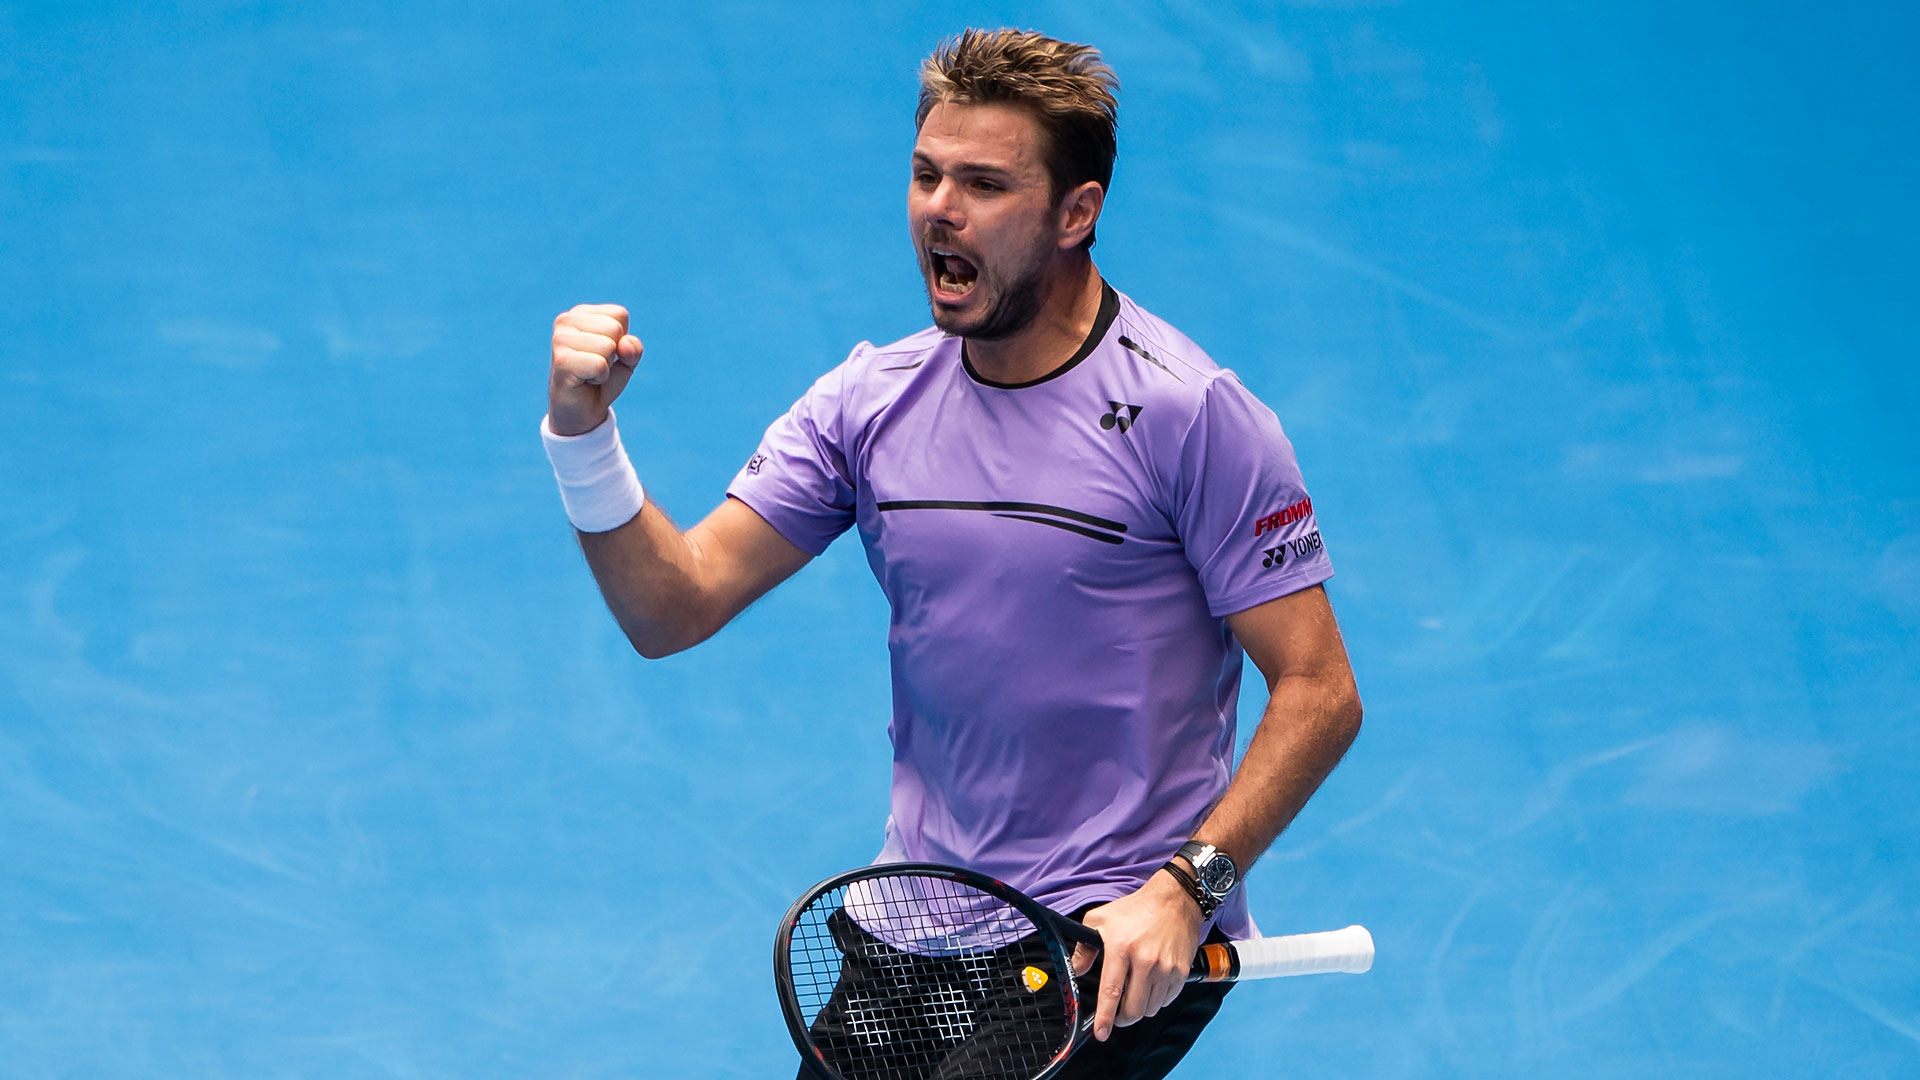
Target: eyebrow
pixel 963 167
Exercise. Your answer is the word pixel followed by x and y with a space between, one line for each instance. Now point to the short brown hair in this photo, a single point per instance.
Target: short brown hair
pixel 1067 87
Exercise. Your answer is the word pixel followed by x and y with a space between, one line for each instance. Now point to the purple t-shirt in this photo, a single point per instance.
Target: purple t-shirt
pixel 1060 557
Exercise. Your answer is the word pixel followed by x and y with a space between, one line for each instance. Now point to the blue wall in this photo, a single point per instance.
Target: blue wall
pixel 319 757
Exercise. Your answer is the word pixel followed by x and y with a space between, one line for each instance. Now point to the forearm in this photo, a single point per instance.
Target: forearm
pixel 1308 724
pixel 1150 935
pixel 650 574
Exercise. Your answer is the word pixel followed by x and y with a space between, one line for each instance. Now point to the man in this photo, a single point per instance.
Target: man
pixel 1079 521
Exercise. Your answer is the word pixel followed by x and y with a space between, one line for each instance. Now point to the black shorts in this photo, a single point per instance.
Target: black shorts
pixel 903 990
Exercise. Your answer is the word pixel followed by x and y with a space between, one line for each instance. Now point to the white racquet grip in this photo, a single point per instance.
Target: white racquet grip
pixel 597 483
pixel 1349 951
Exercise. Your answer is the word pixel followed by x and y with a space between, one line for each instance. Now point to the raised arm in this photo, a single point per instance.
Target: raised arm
pixel 668 589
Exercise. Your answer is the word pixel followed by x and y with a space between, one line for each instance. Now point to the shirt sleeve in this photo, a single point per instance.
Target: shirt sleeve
pixel 798 479
pixel 1243 511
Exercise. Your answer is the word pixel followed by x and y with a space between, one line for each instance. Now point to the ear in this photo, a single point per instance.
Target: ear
pixel 1079 211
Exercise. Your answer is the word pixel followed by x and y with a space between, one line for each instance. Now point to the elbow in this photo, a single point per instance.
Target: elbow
pixel 661 640
pixel 650 649
pixel 655 645
pixel 1350 713
pixel 1342 711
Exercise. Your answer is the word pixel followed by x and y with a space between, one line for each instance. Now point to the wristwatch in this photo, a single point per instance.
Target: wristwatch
pixel 1213 878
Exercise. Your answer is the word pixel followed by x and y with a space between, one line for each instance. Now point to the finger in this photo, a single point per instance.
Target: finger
pixel 598 344
pixel 592 323
pixel 630 350
pixel 618 373
pixel 613 311
pixel 1166 988
pixel 1138 1000
pixel 1083 957
pixel 1090 951
pixel 1176 983
pixel 580 366
pixel 1113 982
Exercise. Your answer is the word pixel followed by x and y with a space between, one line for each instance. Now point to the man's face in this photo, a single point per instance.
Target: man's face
pixel 980 208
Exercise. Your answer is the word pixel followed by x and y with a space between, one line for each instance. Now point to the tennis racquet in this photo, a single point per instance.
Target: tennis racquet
pixel 917 971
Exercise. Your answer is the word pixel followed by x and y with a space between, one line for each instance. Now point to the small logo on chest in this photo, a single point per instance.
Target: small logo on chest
pixel 1120 416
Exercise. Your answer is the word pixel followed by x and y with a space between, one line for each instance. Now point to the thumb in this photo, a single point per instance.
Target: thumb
pixel 626 357
pixel 1083 957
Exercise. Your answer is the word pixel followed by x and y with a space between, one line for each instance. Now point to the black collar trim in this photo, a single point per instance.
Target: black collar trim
pixel 1109 310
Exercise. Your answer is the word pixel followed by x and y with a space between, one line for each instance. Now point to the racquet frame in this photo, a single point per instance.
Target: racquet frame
pixel 1349 950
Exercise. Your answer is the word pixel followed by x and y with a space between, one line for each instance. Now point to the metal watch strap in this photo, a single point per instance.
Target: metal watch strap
pixel 1194 889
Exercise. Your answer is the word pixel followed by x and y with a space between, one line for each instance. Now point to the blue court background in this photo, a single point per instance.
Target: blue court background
pixel 318 756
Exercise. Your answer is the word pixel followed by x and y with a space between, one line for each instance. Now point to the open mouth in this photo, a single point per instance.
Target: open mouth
pixel 953 275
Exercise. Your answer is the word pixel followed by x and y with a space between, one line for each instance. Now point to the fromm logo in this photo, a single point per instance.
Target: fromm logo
pixel 1298 511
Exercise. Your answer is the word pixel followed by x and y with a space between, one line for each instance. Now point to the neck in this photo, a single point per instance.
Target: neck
pixel 1054 335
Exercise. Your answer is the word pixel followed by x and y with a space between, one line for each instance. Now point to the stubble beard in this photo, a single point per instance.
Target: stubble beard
pixel 1011 307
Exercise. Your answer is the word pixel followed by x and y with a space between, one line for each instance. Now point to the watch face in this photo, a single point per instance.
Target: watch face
pixel 1219 875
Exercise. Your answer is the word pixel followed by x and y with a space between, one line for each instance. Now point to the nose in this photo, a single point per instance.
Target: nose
pixel 941 206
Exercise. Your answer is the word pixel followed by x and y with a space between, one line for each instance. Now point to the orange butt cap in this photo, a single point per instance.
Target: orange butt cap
pixel 1219 963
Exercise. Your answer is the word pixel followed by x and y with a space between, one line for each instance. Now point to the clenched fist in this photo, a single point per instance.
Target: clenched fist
pixel 593 357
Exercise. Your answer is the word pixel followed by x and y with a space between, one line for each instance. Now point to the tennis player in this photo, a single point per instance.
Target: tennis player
pixel 1079 520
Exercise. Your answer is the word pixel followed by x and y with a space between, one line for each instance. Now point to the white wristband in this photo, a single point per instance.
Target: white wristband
pixel 597 483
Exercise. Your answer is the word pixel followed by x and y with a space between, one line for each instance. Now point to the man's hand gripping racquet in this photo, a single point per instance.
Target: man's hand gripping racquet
pixel 916 971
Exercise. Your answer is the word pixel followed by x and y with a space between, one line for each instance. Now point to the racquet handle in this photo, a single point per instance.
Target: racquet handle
pixel 1349 951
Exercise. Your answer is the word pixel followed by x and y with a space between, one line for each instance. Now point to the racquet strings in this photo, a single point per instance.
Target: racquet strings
pixel 914 977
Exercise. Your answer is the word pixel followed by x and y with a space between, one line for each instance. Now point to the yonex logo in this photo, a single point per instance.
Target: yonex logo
pixel 754 463
pixel 1301 548
pixel 1113 419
